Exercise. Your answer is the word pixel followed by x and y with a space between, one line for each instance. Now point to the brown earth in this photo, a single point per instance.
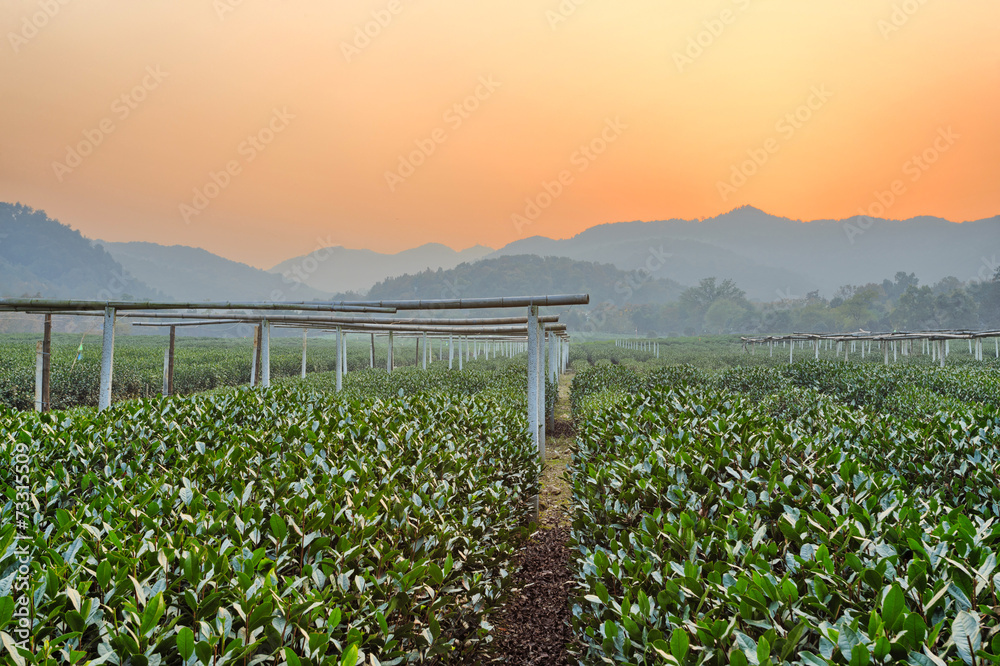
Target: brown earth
pixel 532 628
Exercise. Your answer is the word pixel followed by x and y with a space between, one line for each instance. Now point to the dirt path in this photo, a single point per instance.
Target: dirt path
pixel 533 627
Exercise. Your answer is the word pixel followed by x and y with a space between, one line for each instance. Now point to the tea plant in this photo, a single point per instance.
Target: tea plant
pixel 282 526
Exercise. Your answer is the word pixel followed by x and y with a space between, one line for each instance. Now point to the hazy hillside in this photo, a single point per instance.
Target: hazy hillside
pixel 192 274
pixel 339 269
pixel 40 256
pixel 772 257
pixel 505 276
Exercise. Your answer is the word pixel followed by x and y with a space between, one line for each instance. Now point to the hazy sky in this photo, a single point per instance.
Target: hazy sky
pixel 485 121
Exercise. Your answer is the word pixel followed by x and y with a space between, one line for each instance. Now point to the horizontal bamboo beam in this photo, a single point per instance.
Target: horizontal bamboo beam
pixel 45 305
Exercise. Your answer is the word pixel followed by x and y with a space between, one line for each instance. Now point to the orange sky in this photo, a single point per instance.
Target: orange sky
pixel 683 92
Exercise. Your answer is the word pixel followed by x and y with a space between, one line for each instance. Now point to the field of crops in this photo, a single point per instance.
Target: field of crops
pixel 820 513
pixel 201 364
pixel 283 526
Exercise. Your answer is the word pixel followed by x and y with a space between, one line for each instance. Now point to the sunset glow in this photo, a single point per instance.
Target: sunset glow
pixel 261 130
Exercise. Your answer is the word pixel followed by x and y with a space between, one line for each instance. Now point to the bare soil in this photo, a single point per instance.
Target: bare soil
pixel 533 627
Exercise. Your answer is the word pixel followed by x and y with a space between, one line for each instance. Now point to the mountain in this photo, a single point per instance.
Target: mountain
pixel 192 274
pixel 40 256
pixel 529 274
pixel 775 258
pixel 339 269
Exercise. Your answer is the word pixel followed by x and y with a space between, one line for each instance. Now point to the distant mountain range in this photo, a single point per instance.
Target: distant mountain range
pixel 771 258
pixel 529 274
pixel 41 257
pixel 774 258
pixel 192 274
pixel 339 269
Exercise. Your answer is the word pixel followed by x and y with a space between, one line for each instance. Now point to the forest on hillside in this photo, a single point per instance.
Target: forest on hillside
pixel 721 307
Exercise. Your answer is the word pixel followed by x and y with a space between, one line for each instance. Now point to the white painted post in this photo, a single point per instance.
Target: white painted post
pixel 371 355
pixel 389 359
pixel 339 361
pixel 451 352
pixel 253 359
pixel 39 365
pixel 305 346
pixel 791 352
pixel 533 372
pixel 425 349
pixel 344 358
pixel 460 354
pixel 265 354
pixel 107 359
pixel 166 371
pixel 541 386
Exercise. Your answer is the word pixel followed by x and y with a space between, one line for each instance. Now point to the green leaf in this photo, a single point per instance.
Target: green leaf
pixel 293 659
pixel 967 635
pixel 12 649
pixel 737 658
pixel 892 606
pixel 679 643
pixel 763 650
pixel 350 657
pixel 204 652
pixel 860 656
pixel 847 641
pixel 151 616
pixel 185 642
pixel 278 527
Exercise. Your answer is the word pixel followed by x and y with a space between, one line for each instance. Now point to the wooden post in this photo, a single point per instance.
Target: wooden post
pixel 416 353
pixel 107 359
pixel 388 361
pixel 305 347
pixel 47 363
pixel 265 354
pixel 425 349
pixel 371 358
pixel 451 351
pixel 168 363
